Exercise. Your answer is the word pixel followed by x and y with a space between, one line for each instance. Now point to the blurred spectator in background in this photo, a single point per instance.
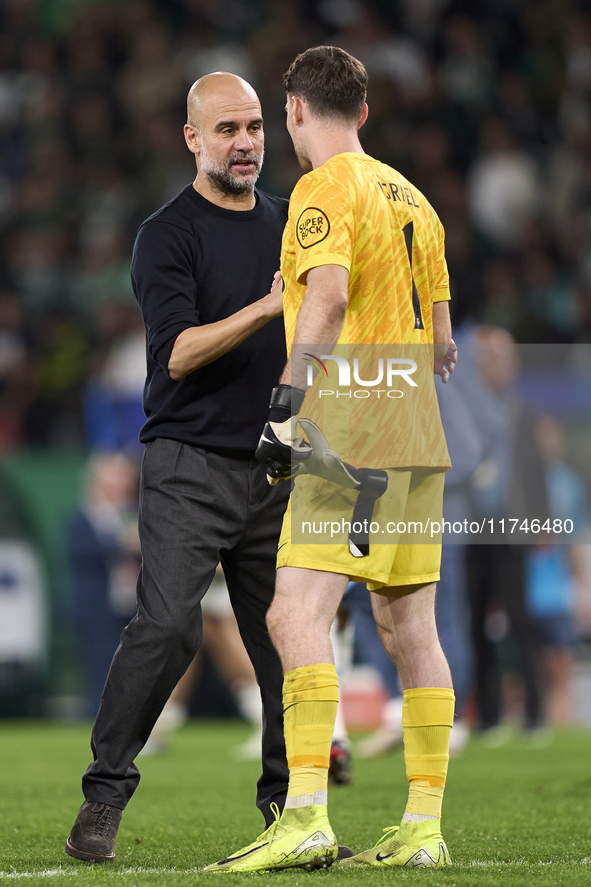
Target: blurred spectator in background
pixel 14 372
pixel 59 366
pixel 501 293
pixel 113 407
pixel 151 80
pixel 508 484
pixel 502 188
pixel 103 553
pixel 550 575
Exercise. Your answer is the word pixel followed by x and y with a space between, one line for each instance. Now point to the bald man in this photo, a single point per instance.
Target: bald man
pixel 201 270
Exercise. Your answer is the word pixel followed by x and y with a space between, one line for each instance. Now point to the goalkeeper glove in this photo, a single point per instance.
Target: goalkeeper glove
pixel 274 451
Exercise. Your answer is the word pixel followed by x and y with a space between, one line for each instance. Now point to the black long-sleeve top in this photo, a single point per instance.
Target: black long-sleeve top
pixel 196 263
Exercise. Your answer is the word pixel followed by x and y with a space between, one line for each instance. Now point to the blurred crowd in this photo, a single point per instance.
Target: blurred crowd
pixel 485 106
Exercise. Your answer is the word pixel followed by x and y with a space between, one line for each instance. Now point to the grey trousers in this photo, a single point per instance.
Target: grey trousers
pixel 197 509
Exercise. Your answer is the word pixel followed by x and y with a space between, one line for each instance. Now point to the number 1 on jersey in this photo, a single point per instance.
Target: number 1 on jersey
pixel 408 232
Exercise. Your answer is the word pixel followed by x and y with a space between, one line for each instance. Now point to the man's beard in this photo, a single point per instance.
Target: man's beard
pixel 220 177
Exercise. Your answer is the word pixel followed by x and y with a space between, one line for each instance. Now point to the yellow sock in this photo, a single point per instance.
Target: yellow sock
pixel 310 699
pixel 427 717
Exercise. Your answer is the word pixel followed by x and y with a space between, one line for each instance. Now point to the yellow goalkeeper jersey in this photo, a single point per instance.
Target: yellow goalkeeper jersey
pixel 360 213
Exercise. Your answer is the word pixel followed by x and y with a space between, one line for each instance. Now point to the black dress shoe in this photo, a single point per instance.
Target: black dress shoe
pixel 94 833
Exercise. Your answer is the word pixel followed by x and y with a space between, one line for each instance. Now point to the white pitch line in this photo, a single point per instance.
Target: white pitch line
pixel 47 873
pixel 140 870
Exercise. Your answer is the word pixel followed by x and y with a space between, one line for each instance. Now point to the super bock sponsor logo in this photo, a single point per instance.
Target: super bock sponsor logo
pixel 312 227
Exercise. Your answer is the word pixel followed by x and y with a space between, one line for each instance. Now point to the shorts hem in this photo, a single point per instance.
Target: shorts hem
pixel 328 567
pixel 397 581
pixel 380 580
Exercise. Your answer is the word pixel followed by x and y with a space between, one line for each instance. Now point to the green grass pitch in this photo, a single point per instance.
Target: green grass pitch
pixel 512 816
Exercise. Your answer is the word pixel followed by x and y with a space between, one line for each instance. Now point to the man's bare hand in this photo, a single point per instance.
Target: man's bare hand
pixel 445 366
pixel 274 300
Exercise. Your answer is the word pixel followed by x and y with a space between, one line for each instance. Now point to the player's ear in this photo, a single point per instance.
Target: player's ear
pixel 363 115
pixel 192 139
pixel 298 110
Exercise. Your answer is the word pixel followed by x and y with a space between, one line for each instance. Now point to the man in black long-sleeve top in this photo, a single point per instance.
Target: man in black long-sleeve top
pixel 215 346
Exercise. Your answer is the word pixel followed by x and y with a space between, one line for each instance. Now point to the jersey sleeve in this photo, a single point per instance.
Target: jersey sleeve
pixel 441 277
pixel 322 219
pixel 164 285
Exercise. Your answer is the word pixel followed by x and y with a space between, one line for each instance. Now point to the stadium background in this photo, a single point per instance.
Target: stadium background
pixel 485 106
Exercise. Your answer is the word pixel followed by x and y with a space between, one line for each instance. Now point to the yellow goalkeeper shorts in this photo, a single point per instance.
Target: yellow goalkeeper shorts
pixel 404 534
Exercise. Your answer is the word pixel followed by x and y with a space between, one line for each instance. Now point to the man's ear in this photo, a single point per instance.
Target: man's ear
pixel 363 115
pixel 299 107
pixel 192 139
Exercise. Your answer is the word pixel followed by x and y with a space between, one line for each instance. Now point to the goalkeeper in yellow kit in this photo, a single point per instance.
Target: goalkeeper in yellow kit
pixel 363 264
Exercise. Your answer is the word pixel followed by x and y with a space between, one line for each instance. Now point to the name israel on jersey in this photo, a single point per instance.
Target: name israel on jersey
pixel 312 227
pixel 399 192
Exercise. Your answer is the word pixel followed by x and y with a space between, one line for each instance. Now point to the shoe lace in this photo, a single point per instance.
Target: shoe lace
pixel 103 821
pixel 389 832
pixel 269 834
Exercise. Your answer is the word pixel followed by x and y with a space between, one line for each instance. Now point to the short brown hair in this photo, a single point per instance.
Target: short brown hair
pixel 333 82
